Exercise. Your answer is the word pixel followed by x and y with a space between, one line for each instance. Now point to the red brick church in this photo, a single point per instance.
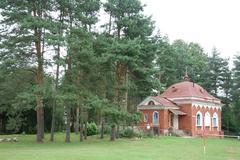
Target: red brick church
pixel 185 108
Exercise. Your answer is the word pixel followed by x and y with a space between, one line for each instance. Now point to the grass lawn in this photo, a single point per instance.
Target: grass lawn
pixel 162 148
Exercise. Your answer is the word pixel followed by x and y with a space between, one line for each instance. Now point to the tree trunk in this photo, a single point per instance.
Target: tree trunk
pixel 102 128
pixel 39 122
pixel 126 92
pixel 85 130
pixel 1 124
pixel 67 140
pixel 110 23
pixel 117 133
pixel 227 126
pixel 118 69
pixel 117 83
pixel 81 132
pixel 42 122
pixel 69 81
pixel 76 126
pixel 55 101
pixel 56 83
pixel 118 32
pixel 113 132
pixel 53 121
pixel 79 109
pixel 73 117
pixel 39 82
pixel 81 125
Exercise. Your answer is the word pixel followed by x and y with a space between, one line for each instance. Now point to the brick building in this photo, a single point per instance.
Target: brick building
pixel 185 108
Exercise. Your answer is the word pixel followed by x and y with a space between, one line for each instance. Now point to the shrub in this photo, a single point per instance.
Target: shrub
pixel 92 129
pixel 107 129
pixel 140 134
pixel 128 133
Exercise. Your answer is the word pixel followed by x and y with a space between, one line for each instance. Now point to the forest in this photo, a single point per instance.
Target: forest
pixel 61 71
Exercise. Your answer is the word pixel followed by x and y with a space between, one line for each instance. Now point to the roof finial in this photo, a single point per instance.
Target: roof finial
pixel 186 78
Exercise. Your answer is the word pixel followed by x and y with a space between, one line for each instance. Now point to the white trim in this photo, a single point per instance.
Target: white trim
pixel 201 119
pixel 145 117
pixel 215 115
pixel 147 100
pixel 195 102
pixel 196 98
pixel 143 107
pixel 153 118
pixel 175 121
pixel 207 105
pixel 207 119
pixel 157 103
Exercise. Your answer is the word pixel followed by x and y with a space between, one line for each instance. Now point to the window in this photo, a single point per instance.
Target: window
pixel 145 117
pixel 207 119
pixel 155 117
pixel 199 119
pixel 151 103
pixel 215 120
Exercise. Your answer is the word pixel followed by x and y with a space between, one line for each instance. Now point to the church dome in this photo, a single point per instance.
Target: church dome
pixel 187 89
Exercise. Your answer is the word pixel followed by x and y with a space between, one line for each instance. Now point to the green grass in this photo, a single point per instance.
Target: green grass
pixel 162 148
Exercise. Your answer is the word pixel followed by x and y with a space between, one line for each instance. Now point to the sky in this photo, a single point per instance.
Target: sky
pixel 211 23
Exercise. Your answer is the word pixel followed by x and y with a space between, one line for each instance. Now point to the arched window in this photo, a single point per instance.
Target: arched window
pixel 155 117
pixel 207 119
pixel 215 120
pixel 151 103
pixel 199 119
pixel 145 117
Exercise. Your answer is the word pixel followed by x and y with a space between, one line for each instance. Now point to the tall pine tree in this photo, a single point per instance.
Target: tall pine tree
pixel 25 24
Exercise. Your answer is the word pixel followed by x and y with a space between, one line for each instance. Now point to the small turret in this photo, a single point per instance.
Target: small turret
pixel 186 77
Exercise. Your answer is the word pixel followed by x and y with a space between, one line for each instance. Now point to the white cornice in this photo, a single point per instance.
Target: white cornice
pixel 207 105
pixel 143 107
pixel 191 99
pixel 198 102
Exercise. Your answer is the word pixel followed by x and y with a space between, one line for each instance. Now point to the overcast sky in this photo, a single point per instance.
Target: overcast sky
pixel 207 22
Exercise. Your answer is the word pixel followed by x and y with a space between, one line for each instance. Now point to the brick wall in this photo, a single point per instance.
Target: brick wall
pixel 185 122
pixel 205 129
pixel 163 119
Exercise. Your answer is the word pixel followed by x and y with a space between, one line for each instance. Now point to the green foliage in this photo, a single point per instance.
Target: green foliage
pixel 92 129
pixel 104 74
pixel 233 115
pixel 14 124
pixel 128 133
pixel 107 129
pixel 188 56
pixel 218 73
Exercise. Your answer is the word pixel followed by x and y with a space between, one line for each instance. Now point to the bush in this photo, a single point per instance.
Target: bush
pixel 128 133
pixel 92 129
pixel 107 129
pixel 140 134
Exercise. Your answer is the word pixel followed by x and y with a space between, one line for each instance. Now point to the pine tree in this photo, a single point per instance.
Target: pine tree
pixel 13 83
pixel 25 24
pixel 217 73
pixel 236 93
pixel 78 18
pixel 130 28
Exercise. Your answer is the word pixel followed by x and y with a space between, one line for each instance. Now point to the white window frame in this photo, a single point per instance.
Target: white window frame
pixel 215 116
pixel 157 118
pixel 201 119
pixel 207 119
pixel 145 117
